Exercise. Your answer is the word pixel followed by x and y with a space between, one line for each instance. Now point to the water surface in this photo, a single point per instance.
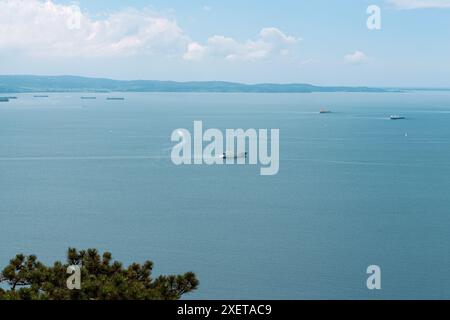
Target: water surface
pixel 354 189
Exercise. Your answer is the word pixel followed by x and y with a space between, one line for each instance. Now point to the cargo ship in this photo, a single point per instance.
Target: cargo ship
pixel 397 117
pixel 232 155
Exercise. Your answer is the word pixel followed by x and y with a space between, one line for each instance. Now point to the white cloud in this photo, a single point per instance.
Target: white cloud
pixel 306 62
pixel 45 28
pixel 195 52
pixel 357 57
pixel 419 4
pixel 275 36
pixel 223 46
pixel 271 42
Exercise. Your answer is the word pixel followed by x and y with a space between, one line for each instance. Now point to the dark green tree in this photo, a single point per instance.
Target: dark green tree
pixel 101 279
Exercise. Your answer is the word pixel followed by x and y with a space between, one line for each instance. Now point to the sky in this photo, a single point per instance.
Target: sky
pixel 322 42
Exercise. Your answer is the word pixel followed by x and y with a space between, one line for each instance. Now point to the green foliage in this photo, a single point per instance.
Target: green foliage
pixel 101 279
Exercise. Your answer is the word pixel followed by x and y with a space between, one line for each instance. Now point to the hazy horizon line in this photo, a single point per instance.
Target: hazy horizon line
pixel 226 81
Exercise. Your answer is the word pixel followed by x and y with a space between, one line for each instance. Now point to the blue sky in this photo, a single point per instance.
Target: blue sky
pixel 320 42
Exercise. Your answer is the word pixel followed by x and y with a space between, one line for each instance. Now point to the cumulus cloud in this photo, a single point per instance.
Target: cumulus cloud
pixel 46 28
pixel 195 52
pixel 275 36
pixel 358 57
pixel 419 4
pixel 270 42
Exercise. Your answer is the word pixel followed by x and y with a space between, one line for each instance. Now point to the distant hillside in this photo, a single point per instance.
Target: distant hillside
pixel 23 84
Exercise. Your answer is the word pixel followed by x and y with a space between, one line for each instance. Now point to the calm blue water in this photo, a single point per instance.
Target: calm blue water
pixel 354 189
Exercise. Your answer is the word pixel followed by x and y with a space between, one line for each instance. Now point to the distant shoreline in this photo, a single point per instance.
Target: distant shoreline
pixel 61 84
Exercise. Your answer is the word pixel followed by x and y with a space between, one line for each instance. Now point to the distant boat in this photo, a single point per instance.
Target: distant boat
pixel 112 98
pixel 323 110
pixel 397 117
pixel 88 98
pixel 40 96
pixel 4 99
pixel 232 155
pixel 11 98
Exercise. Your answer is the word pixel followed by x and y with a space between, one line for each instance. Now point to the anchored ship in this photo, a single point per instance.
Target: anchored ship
pixel 397 117
pixel 232 155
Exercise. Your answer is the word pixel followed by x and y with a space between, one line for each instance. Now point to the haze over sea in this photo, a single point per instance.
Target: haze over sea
pixel 354 189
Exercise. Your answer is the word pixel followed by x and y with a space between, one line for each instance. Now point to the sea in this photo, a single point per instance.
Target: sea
pixel 354 189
